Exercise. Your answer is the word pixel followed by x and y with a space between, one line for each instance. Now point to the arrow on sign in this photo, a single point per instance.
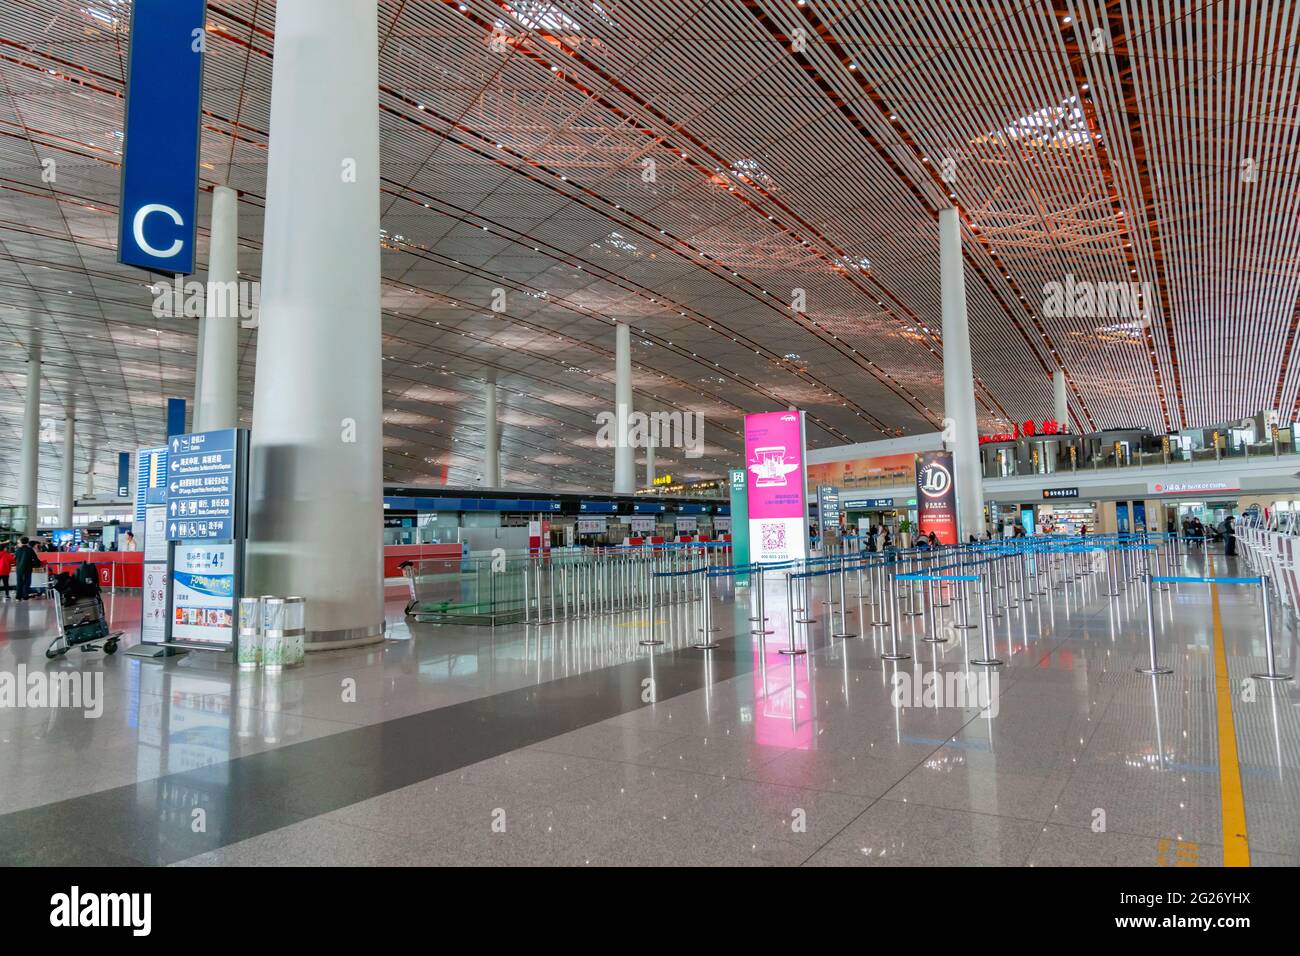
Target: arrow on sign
pixel 173 527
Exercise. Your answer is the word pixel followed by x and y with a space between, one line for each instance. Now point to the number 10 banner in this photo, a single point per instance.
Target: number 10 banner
pixel 936 496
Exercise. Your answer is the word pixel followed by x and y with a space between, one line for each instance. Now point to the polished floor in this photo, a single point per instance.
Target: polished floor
pixel 574 744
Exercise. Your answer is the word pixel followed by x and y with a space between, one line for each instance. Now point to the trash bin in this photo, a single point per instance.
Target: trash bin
pixel 250 634
pixel 283 633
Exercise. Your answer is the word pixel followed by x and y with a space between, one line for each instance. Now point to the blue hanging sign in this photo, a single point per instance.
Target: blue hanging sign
pixel 160 138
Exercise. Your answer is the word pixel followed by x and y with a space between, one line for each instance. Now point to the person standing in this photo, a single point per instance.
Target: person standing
pixel 6 566
pixel 1229 537
pixel 26 561
pixel 129 545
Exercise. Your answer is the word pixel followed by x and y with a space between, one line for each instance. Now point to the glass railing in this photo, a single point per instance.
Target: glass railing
pixel 1143 459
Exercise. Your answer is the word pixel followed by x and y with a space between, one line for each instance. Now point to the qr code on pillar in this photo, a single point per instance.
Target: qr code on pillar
pixel 773 537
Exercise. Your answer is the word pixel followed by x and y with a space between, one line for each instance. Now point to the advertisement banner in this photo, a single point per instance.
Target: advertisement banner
pixel 879 472
pixel 203 593
pixel 936 496
pixel 775 462
pixel 592 525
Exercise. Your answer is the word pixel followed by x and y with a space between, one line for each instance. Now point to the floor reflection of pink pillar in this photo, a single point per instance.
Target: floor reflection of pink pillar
pixel 782 690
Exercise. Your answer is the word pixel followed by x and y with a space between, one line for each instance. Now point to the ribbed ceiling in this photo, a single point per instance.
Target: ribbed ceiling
pixel 794 147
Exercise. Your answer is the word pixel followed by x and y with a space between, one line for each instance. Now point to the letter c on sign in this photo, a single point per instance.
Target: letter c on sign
pixel 138 227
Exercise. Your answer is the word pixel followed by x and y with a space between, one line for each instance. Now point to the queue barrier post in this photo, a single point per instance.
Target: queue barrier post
pixel 707 643
pixel 844 625
pixel 1155 669
pixel 652 640
pixel 1268 636
pixel 894 654
pixel 988 660
pixel 761 630
pixel 792 649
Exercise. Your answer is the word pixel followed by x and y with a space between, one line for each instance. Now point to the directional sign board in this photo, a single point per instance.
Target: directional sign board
pixel 203 486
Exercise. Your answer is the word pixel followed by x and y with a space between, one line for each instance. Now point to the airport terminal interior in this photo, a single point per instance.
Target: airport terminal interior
pixel 687 433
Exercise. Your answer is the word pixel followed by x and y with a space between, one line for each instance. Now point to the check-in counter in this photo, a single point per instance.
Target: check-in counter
pixel 116 569
pixel 125 569
pixel 395 554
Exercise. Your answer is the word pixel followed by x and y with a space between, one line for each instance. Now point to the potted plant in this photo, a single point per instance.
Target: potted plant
pixel 905 534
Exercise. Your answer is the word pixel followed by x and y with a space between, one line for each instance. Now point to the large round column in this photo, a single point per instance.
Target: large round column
pixel 649 463
pixel 29 466
pixel 216 402
pixel 89 491
pixel 66 494
pixel 1060 403
pixel 316 492
pixel 958 379
pixel 624 459
pixel 491 437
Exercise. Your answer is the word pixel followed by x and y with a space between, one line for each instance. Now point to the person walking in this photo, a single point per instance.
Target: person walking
pixel 1229 537
pixel 6 566
pixel 26 561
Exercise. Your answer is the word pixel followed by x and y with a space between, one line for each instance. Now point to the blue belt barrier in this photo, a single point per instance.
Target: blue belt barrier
pixel 1171 580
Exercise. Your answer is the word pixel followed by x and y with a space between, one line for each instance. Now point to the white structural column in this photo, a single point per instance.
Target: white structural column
pixel 66 495
pixel 316 483
pixel 624 456
pixel 958 379
pixel 29 467
pixel 216 401
pixel 1061 405
pixel 491 437
pixel 89 491
pixel 650 462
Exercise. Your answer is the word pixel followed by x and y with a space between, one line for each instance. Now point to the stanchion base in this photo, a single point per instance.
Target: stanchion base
pixel 1271 676
pixel 649 643
pixel 895 657
pixel 1154 671
pixel 706 645
pixel 965 627
pixel 913 614
pixel 941 605
pixel 762 632
pixel 792 651
pixel 805 620
pixel 709 630
pixel 843 636
pixel 755 620
pixel 880 624
pixel 989 663
pixel 934 640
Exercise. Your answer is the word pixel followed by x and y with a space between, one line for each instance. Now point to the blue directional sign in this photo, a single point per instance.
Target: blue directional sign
pixel 160 138
pixel 202 485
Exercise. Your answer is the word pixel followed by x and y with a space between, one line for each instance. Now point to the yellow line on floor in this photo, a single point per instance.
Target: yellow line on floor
pixel 1236 848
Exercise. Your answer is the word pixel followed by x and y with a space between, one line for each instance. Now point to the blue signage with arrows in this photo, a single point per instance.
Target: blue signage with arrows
pixel 160 138
pixel 203 486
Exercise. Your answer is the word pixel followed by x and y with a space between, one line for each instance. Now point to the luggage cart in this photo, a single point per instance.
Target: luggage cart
pixel 81 622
